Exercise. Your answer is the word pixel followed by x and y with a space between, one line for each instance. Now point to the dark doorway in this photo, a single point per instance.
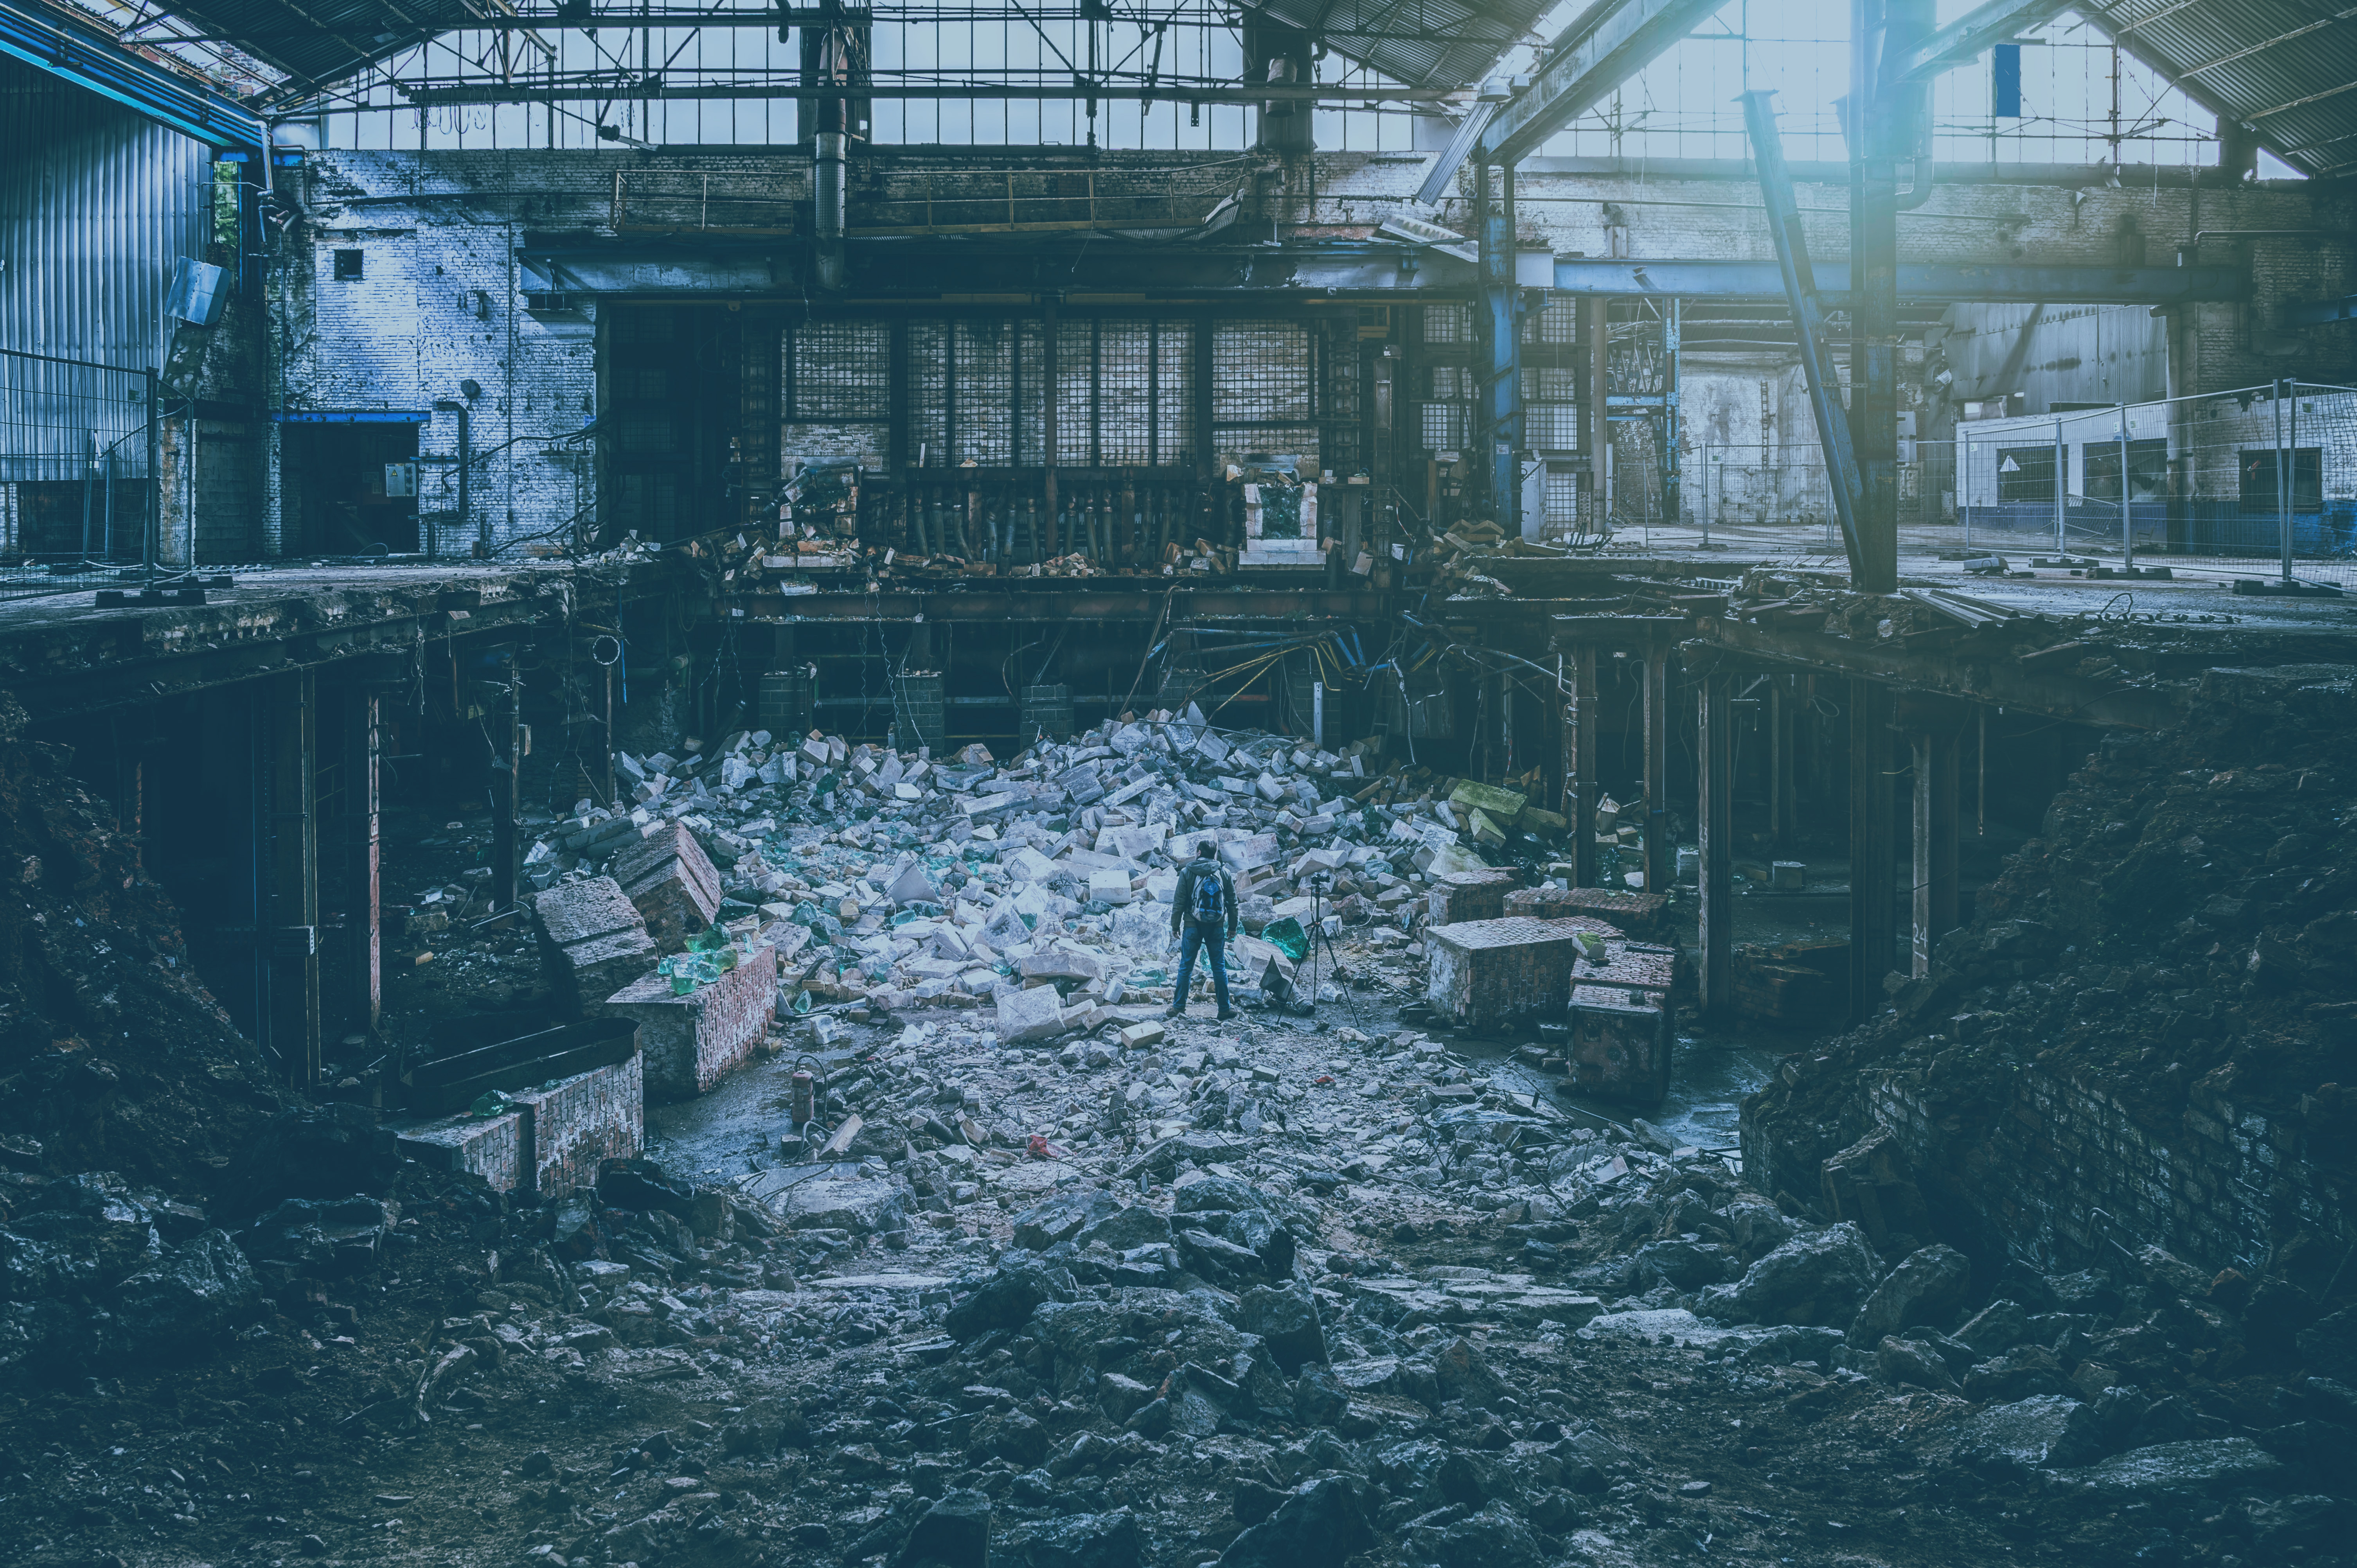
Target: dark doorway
pixel 358 487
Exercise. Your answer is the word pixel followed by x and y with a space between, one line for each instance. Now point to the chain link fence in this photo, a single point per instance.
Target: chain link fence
pixel 78 469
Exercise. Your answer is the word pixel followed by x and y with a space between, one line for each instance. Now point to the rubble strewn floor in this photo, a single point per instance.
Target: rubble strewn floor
pixel 1313 1286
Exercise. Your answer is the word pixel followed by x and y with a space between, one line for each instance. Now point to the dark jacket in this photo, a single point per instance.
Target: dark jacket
pixel 1183 901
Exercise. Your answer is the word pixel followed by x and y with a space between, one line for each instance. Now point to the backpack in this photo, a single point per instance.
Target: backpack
pixel 1208 904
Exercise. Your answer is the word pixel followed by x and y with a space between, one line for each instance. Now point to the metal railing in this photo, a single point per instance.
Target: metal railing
pixel 80 470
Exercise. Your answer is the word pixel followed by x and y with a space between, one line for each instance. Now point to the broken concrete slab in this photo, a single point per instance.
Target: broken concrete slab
pixel 673 882
pixel 593 940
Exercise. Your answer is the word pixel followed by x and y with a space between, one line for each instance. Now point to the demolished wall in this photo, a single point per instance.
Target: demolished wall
pixel 2149 1035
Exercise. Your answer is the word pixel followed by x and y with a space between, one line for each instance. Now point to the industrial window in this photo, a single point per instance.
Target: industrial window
pixel 1123 390
pixel 1557 321
pixel 2147 470
pixel 347 266
pixel 1264 373
pixel 2025 474
pixel 838 372
pixel 1550 409
pixel 1448 324
pixel 2260 483
pixel 1562 498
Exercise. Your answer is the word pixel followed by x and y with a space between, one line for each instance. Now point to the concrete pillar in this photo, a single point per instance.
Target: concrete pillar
pixel 1714 840
pixel 1579 764
pixel 1873 865
pixel 291 934
pixel 1933 906
pixel 1660 855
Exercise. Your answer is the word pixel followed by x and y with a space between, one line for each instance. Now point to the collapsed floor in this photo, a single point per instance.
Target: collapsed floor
pixel 1308 1287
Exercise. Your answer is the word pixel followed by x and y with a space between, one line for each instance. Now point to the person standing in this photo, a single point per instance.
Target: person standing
pixel 1203 918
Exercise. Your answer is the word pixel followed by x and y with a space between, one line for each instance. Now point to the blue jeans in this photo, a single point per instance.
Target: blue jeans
pixel 1213 944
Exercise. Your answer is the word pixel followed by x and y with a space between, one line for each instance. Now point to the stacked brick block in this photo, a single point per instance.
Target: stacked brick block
pixel 691 1041
pixel 1495 976
pixel 1460 895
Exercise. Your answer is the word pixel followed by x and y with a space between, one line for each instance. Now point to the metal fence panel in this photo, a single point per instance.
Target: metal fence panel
pixel 77 482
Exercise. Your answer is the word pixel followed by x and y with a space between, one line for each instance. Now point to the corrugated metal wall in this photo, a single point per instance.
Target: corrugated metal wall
pixel 96 204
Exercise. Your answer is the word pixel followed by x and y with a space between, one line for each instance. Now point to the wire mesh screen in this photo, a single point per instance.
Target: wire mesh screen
pixel 2266 477
pixel 838 371
pixel 74 480
pixel 1264 400
pixel 1125 372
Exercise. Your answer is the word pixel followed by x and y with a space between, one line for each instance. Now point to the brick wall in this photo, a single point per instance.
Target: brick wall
pixel 2066 1175
pixel 492 1147
pixel 578 1121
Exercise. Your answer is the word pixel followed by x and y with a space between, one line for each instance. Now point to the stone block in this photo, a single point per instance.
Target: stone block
pixel 689 1042
pixel 1034 1015
pixel 594 941
pixel 672 881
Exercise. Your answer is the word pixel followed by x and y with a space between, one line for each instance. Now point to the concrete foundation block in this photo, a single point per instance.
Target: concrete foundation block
pixel 573 1123
pixel 1641 916
pixel 690 1042
pixel 492 1147
pixel 1620 1046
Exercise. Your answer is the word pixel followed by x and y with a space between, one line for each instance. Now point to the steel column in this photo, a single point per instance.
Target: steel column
pixel 1874 303
pixel 1714 841
pixel 1660 859
pixel 1501 389
pixel 364 754
pixel 292 928
pixel 507 765
pixel 1801 290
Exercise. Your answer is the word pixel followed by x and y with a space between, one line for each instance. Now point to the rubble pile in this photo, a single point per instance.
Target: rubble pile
pixel 2179 933
pixel 112 1056
pixel 1040 888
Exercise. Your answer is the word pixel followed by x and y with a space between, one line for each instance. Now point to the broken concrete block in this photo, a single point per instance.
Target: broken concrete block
pixel 1620 1044
pixel 911 886
pixel 1251 853
pixel 1032 1015
pixel 1107 885
pixel 1137 1037
pixel 691 1041
pixel 594 941
pixel 672 881
pixel 1504 805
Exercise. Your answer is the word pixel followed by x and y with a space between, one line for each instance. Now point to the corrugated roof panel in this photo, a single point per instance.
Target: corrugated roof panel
pixel 1421 43
pixel 2277 66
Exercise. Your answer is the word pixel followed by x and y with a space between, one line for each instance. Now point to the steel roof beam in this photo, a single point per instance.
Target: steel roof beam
pixel 1991 23
pixel 1693 278
pixel 1611 42
pixel 102 66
